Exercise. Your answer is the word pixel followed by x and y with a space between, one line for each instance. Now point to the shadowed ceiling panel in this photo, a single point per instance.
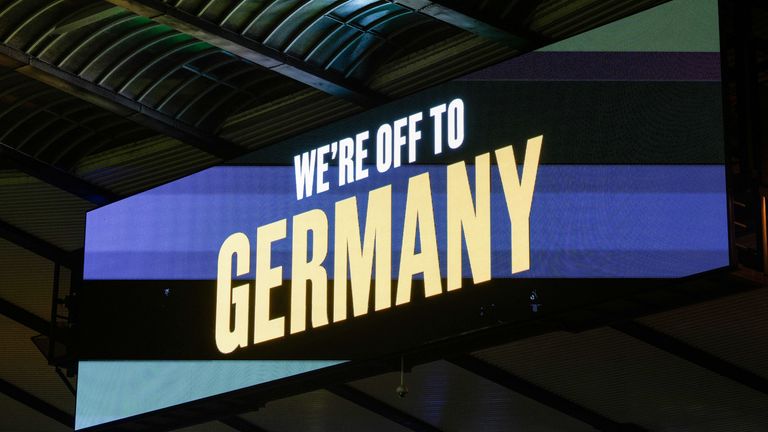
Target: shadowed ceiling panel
pixel 143 165
pixel 20 418
pixel 26 279
pixel 455 400
pixel 440 62
pixel 289 116
pixel 318 411
pixel 42 210
pixel 734 328
pixel 629 381
pixel 207 427
pixel 557 19
pixel 24 366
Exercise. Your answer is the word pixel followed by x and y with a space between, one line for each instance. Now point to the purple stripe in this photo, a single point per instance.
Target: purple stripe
pixel 605 66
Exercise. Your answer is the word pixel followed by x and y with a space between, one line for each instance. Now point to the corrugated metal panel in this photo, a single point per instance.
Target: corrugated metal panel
pixel 207 427
pixel 439 63
pixel 455 400
pixel 42 210
pixel 20 418
pixel 344 38
pixel 26 279
pixel 629 381
pixel 318 411
pixel 145 164
pixel 281 119
pixel 55 127
pixel 561 18
pixel 24 366
pixel 734 328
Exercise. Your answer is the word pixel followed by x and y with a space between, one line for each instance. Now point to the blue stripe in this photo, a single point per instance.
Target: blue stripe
pixel 586 221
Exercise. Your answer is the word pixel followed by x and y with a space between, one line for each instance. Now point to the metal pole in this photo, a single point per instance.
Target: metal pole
pixel 54 312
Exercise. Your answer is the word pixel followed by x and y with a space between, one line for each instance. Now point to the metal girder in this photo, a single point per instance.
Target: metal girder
pixel 24 317
pixel 461 14
pixel 35 245
pixel 545 397
pixel 692 354
pixel 374 405
pixel 36 404
pixel 31 321
pixel 238 424
pixel 125 107
pixel 254 51
pixel 56 177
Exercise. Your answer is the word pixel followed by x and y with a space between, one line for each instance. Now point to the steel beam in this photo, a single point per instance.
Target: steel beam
pixel 543 396
pixel 461 14
pixel 24 317
pixel 36 404
pixel 125 107
pixel 254 51
pixel 56 177
pixel 240 425
pixel 35 245
pixel 31 321
pixel 374 405
pixel 692 354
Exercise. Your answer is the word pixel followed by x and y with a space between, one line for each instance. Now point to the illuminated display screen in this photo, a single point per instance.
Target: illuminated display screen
pixel 600 158
pixel 585 221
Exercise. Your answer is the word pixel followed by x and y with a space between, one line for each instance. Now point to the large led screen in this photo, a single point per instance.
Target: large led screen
pixel 598 158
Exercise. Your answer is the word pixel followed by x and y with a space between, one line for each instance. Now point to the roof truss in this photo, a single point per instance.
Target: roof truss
pixel 38 70
pixel 692 354
pixel 251 50
pixel 35 245
pixel 543 396
pixel 37 404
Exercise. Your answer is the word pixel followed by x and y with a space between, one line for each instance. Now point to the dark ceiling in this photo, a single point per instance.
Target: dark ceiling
pixel 103 99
